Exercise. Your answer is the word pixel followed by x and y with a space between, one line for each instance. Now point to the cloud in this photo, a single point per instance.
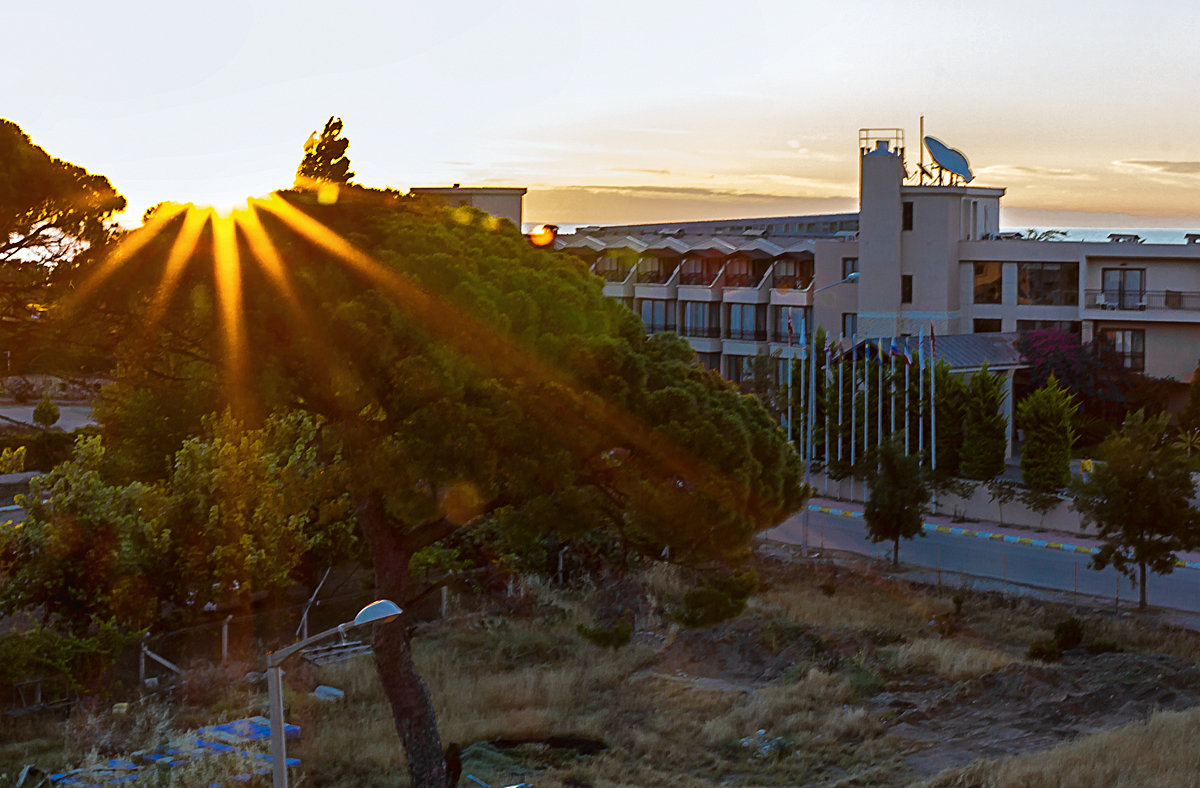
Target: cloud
pixel 1172 167
pixel 1018 171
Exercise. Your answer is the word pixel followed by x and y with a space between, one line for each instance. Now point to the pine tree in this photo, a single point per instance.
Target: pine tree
pixel 1046 416
pixel 985 430
pixel 325 156
pixel 897 499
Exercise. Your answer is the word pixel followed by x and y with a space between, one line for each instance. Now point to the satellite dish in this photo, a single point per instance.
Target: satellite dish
pixel 949 159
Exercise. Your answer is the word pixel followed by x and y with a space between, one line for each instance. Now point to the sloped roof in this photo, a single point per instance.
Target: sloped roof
pixel 963 352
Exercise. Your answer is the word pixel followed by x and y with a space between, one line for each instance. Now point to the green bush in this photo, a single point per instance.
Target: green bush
pixel 1068 633
pixel 46 413
pixel 616 636
pixel 1045 651
pixel 1102 646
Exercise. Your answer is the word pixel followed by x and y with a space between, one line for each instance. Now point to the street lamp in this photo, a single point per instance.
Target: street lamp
pixel 812 401
pixel 379 612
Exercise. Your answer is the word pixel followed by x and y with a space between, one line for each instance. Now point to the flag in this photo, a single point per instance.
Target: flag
pixel 932 344
pixel 907 353
pixel 893 350
pixel 882 354
pixel 921 350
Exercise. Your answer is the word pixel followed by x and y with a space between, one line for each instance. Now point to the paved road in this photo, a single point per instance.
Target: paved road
pixel 997 561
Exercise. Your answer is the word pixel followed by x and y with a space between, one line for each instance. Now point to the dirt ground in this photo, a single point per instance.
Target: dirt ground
pixel 944 724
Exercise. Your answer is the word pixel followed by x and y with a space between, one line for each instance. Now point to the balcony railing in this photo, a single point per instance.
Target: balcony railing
pixel 610 275
pixel 755 335
pixel 702 332
pixel 658 328
pixel 653 277
pixel 1141 301
pixel 741 280
pixel 790 282
pixel 693 278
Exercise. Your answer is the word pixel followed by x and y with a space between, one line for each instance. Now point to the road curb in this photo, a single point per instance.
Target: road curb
pixel 1001 537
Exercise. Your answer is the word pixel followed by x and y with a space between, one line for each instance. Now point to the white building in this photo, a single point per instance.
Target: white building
pixel 927 251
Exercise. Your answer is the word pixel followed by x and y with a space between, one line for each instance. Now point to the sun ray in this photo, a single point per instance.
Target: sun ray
pixel 228 276
pixel 571 403
pixel 177 259
pixel 126 248
pixel 272 265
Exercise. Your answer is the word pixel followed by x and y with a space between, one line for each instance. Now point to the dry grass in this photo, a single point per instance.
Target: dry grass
pixel 1162 751
pixel 950 658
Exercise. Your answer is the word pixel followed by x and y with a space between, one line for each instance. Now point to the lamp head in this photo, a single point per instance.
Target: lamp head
pixel 378 612
pixel 851 277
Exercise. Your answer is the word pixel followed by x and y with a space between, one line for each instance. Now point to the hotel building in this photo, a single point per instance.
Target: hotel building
pixel 928 250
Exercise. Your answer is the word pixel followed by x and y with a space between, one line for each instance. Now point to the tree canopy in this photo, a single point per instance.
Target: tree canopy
pixel 985 429
pixel 464 377
pixel 325 156
pixel 50 209
pixel 1139 501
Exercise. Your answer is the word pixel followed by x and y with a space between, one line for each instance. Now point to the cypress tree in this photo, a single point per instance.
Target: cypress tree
pixel 1046 416
pixel 985 430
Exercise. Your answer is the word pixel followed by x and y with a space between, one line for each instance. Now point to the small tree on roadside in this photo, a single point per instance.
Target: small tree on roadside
pixel 1046 416
pixel 897 499
pixel 45 415
pixel 985 430
pixel 1139 501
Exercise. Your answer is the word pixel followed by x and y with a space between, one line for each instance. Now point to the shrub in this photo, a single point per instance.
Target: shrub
pixel 616 636
pixel 1045 651
pixel 46 413
pixel 1068 633
pixel 1103 646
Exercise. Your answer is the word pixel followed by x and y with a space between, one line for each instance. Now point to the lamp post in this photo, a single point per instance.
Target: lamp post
pixel 812 401
pixel 378 612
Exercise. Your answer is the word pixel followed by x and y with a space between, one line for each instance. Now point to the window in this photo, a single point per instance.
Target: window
pixel 1124 288
pixel 1048 284
pixel 986 325
pixel 800 322
pixel 748 321
pixel 655 313
pixel 849 324
pixel 1065 326
pixel 849 266
pixel 906 288
pixel 987 283
pixel 709 360
pixel 908 217
pixel 792 274
pixel 701 319
pixel 1124 346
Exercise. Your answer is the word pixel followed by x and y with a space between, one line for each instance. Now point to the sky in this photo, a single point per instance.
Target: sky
pixel 623 111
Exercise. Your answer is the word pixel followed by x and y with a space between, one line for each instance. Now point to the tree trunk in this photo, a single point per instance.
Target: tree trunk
pixel 896 552
pixel 1142 586
pixel 412 709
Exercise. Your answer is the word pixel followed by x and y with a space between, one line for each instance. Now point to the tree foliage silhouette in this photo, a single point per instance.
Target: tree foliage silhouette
pixel 1139 501
pixel 325 156
pixel 897 499
pixel 469 382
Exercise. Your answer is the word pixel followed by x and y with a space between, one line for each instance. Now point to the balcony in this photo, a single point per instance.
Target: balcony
pixel 613 275
pixel 659 328
pixel 1153 300
pixel 704 278
pixel 702 332
pixel 791 281
pixel 653 277
pixel 740 280
pixel 756 335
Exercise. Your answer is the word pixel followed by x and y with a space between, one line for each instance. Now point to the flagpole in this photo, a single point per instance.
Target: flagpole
pixel 825 413
pixel 879 409
pixel 921 396
pixel 933 403
pixel 906 425
pixel 892 394
pixel 811 413
pixel 841 396
pixel 853 402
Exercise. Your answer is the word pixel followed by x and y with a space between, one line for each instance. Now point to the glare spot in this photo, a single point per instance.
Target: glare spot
pixel 327 193
pixel 463 215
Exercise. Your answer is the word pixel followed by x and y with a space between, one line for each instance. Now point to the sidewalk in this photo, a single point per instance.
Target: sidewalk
pixel 944 523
